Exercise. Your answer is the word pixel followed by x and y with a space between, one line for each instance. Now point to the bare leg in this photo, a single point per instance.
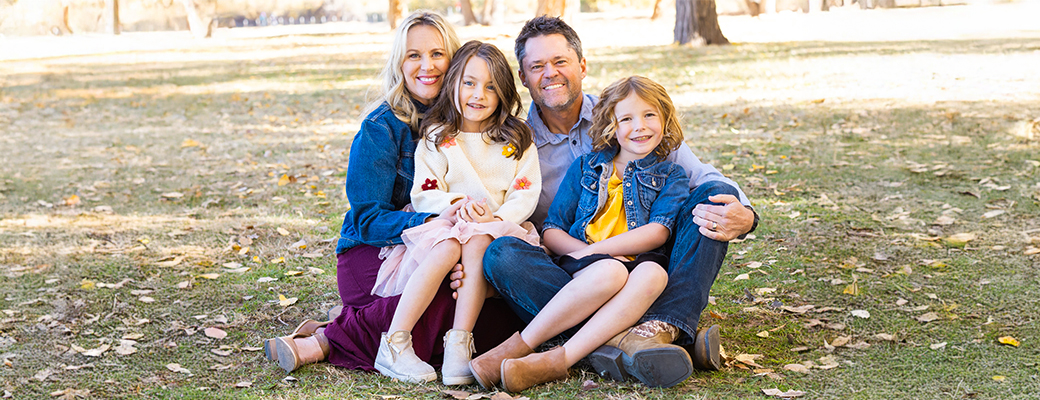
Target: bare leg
pixel 591 288
pixel 423 284
pixel 645 284
pixel 474 288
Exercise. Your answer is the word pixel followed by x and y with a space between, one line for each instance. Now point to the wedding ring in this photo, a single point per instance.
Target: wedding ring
pixel 714 226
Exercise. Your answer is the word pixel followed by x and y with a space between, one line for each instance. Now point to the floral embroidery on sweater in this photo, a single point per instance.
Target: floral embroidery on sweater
pixel 430 184
pixel 522 183
pixel 448 143
pixel 509 150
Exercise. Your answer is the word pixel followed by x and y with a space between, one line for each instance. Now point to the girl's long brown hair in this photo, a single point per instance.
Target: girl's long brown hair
pixel 444 118
pixel 604 125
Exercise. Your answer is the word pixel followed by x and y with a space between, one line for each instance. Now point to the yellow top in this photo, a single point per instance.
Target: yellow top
pixel 609 221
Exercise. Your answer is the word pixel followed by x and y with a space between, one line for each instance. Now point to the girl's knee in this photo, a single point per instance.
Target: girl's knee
pixel 652 275
pixel 611 272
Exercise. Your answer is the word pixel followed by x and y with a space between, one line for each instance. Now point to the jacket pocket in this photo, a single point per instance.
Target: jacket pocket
pixel 650 185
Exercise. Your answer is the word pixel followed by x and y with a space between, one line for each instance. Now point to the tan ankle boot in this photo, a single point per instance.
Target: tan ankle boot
pixel 522 373
pixel 487 369
pixel 458 350
pixel 305 329
pixel 654 361
pixel 295 353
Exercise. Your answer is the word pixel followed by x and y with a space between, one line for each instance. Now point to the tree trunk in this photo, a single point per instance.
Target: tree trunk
pixel 485 13
pixel 199 27
pixel 467 13
pixel 657 10
pixel 396 13
pixel 696 22
pixel 112 17
pixel 552 8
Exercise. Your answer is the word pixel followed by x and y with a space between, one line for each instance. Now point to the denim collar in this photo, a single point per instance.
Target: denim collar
pixel 606 156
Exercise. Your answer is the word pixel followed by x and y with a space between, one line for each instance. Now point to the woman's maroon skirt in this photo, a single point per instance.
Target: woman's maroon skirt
pixel 354 335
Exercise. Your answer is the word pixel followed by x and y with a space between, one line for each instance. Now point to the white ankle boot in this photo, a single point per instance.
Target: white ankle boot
pixel 397 359
pixel 458 350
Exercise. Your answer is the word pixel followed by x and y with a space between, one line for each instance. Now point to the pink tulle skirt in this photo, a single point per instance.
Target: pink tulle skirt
pixel 400 261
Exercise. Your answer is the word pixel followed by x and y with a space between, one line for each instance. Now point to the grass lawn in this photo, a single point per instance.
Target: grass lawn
pixel 148 195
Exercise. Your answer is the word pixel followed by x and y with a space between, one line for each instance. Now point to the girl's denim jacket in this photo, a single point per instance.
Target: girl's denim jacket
pixel 653 191
pixel 379 180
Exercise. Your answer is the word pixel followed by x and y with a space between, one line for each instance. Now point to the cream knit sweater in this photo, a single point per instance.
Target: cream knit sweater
pixel 470 166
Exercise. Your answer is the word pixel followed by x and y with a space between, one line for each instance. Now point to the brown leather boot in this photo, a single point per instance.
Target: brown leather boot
pixel 487 368
pixel 295 353
pixel 305 329
pixel 654 360
pixel 522 373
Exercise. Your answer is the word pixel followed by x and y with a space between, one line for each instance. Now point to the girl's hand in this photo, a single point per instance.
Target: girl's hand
pixel 449 214
pixel 477 211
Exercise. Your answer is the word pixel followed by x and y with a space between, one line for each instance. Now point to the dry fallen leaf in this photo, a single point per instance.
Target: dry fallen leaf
pixel 790 394
pixel 928 317
pixel 797 368
pixel 177 368
pixel 215 333
pixel 1008 340
pixel 172 195
pixel 93 352
pixel 749 359
pixel 285 302
pixel 210 276
pixel 190 143
pixel 841 341
pixel 244 384
pixel 283 232
pixel 886 336
pixel 146 299
pixel 861 313
pixel 742 277
pixel 960 239
pixel 999 378
pixel 937 346
pixel 763 334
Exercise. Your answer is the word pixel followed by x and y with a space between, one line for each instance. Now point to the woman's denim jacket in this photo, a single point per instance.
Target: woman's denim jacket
pixel 661 187
pixel 379 179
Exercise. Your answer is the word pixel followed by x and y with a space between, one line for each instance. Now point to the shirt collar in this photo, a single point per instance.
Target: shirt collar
pixel 543 136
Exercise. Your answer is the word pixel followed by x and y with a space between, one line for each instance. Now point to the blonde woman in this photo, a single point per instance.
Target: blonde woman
pixel 379 180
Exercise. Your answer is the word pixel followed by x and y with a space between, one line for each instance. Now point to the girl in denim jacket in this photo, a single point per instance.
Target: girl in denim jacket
pixel 476 151
pixel 615 208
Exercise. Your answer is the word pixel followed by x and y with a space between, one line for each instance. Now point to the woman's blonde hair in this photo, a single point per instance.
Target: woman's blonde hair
pixel 445 115
pixel 604 125
pixel 393 88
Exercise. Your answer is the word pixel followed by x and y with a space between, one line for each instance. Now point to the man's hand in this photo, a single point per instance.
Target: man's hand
pixel 725 222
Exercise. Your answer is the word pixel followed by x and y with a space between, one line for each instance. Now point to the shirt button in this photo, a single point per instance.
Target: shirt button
pixel 629 184
pixel 593 185
pixel 630 202
pixel 574 142
pixel 633 223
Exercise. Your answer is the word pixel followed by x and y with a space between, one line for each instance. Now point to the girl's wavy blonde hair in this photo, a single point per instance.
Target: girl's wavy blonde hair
pixel 394 91
pixel 604 125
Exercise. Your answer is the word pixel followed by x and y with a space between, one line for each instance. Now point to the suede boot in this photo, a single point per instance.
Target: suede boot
pixel 487 369
pixel 295 353
pixel 522 373
pixel 654 361
pixel 458 350
pixel 707 349
pixel 305 329
pixel 397 359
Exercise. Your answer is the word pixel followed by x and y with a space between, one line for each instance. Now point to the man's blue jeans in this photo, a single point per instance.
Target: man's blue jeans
pixel 527 277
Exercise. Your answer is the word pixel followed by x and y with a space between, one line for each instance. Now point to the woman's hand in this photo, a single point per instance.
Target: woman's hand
pixel 724 222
